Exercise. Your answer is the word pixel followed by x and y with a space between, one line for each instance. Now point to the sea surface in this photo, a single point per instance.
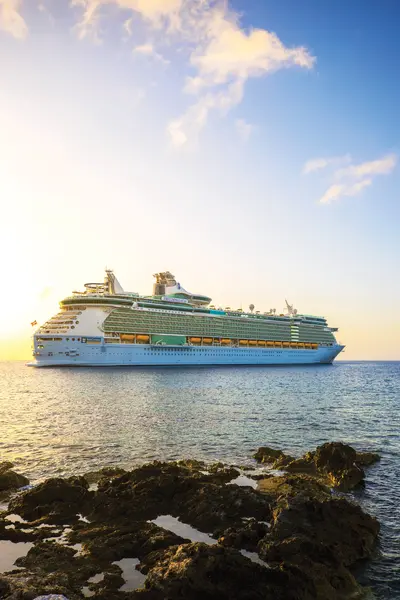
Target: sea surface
pixel 62 421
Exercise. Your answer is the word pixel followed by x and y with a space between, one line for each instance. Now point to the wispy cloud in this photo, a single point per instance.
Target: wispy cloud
pixel 149 51
pixel 316 164
pixel 11 19
pixel 226 56
pixel 221 54
pixel 158 13
pixel 353 179
pixel 244 129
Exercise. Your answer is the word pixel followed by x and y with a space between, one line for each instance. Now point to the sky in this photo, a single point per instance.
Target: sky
pixel 250 147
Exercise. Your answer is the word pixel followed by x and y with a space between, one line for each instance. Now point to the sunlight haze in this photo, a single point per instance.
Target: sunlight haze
pixel 252 155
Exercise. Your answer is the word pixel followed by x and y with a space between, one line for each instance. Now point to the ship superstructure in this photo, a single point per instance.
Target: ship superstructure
pixel 104 325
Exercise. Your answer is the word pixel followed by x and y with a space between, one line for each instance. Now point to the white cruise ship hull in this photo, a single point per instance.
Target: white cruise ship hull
pixel 103 355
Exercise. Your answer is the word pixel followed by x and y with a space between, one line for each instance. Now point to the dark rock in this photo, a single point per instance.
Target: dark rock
pixel 108 543
pixel 334 462
pixel 5 466
pixel 58 500
pixel 245 537
pixel 323 538
pixel 332 581
pixel 268 455
pixel 163 488
pixel 9 479
pixel 337 461
pixel 104 473
pixel 202 572
pixel 335 523
pixel 292 485
pixel 366 459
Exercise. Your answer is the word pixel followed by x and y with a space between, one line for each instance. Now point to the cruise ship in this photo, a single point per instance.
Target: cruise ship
pixel 107 326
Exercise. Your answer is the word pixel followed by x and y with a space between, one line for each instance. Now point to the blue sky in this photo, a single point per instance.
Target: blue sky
pixel 149 135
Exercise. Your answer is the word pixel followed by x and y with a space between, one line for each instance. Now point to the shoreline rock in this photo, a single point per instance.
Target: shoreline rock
pixel 335 463
pixel 9 479
pixel 302 541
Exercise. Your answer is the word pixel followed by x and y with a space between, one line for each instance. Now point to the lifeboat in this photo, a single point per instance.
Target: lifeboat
pixel 261 343
pixel 300 345
pixel 143 339
pixel 195 340
pixel 127 339
pixel 272 344
pixel 308 346
pixel 293 344
pixel 252 342
pixel 207 341
pixel 314 346
pixel 286 344
pixel 278 344
pixel 243 342
pixel 225 342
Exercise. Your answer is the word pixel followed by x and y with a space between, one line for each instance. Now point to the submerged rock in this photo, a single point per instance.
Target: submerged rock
pixel 9 479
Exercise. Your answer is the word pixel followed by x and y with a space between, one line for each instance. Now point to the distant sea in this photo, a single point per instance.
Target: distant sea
pixel 66 421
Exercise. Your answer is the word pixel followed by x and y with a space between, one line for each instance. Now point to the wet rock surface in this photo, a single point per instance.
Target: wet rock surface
pixel 9 479
pixel 336 464
pixel 309 538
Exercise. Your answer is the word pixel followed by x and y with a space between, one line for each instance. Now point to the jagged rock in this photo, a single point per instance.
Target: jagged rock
pixel 366 459
pixel 268 455
pixel 163 488
pixel 245 537
pixel 331 579
pixel 334 522
pixel 9 479
pixel 323 538
pixel 338 464
pixel 334 462
pixel 104 473
pixel 107 543
pixel 58 500
pixel 5 466
pixel 202 572
pixel 291 485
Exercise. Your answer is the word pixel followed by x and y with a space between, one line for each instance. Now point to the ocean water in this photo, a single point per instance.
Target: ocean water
pixel 65 421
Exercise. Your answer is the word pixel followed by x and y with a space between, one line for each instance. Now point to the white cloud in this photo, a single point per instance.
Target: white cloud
pixel 149 50
pixel 221 53
pixel 351 180
pixel 11 20
pixel 224 58
pixel 382 166
pixel 244 129
pixel 157 12
pixel 316 164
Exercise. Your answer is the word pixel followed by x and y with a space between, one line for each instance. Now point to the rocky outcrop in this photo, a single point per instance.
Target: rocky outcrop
pixel 9 479
pixel 56 500
pixel 335 463
pixel 201 572
pixel 324 538
pixel 270 456
pixel 308 538
pixel 199 499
